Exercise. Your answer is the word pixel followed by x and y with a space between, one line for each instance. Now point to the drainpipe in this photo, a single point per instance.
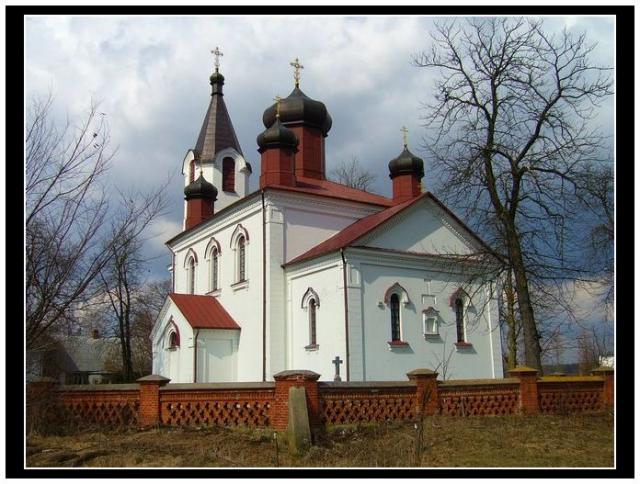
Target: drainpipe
pixel 264 289
pixel 195 356
pixel 346 313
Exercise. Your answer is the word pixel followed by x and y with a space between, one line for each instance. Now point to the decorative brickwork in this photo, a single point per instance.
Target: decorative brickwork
pixel 103 407
pixel 227 408
pixel 559 397
pixel 350 403
pixel 460 399
pixel 266 404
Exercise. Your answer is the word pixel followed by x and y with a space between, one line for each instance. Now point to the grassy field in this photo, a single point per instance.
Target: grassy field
pixel 541 441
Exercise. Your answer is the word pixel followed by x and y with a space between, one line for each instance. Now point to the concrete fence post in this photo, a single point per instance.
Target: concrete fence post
pixel 606 373
pixel 528 389
pixel 427 398
pixel 149 412
pixel 295 378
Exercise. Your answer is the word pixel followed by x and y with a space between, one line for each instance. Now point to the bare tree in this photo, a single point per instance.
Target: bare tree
pixel 122 277
pixel 511 121
pixel 352 174
pixel 65 210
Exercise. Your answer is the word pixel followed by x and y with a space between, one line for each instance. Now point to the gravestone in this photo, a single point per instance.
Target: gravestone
pixel 299 431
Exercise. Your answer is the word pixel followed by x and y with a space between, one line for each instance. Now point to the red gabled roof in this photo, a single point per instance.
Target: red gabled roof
pixel 203 312
pixel 354 231
pixel 326 188
pixel 365 225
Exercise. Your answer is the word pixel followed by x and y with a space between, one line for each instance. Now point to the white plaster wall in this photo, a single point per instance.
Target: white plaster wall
pixel 217 355
pixel 242 301
pixel 422 230
pixel 383 363
pixel 174 364
pixel 326 281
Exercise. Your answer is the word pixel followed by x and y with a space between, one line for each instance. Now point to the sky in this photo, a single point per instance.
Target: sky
pixel 150 75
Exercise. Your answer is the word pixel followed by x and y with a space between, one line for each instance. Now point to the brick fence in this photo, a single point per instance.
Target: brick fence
pixel 153 400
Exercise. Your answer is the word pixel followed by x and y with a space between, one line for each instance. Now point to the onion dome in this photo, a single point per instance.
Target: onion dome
pixel 217 81
pixel 277 136
pixel 406 164
pixel 200 188
pixel 298 107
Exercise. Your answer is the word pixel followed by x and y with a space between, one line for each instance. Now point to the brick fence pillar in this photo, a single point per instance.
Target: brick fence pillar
pixel 149 412
pixel 528 388
pixel 295 378
pixel 427 399
pixel 607 392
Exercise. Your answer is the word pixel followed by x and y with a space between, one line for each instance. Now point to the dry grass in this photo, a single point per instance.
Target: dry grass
pixel 542 441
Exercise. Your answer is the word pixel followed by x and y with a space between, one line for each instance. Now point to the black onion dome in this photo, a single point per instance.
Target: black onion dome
pixel 299 107
pixel 406 164
pixel 277 136
pixel 200 188
pixel 216 77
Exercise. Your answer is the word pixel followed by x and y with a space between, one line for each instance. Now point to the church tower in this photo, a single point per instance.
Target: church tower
pixel 217 153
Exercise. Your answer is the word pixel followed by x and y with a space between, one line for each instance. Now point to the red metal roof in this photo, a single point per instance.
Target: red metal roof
pixel 326 188
pixel 354 231
pixel 365 225
pixel 203 312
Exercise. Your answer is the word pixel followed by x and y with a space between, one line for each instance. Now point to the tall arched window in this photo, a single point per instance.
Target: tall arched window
pixel 312 322
pixel 394 305
pixel 242 262
pixel 459 307
pixel 214 269
pixel 191 276
pixel 192 170
pixel 228 175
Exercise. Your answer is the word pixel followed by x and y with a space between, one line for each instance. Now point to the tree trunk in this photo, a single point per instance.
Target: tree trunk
pixel 512 323
pixel 532 348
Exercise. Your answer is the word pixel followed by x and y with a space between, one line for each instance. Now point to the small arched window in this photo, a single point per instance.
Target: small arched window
pixel 459 308
pixel 191 276
pixel 312 322
pixel 174 341
pixel 394 305
pixel 192 170
pixel 214 269
pixel 242 260
pixel 228 175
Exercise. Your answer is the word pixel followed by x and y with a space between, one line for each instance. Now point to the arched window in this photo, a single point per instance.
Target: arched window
pixel 242 260
pixel 191 276
pixel 192 170
pixel 228 175
pixel 174 340
pixel 214 269
pixel 394 305
pixel 459 308
pixel 312 322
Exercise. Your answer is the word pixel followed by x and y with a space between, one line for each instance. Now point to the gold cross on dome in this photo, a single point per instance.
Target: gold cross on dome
pixel 405 132
pixel 296 70
pixel 277 99
pixel 217 53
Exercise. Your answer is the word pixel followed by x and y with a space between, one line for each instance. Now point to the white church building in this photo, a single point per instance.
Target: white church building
pixel 305 270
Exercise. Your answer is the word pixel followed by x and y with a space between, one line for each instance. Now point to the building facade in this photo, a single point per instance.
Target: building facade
pixel 306 273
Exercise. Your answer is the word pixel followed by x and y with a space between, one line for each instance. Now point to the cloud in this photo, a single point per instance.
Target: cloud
pixel 151 76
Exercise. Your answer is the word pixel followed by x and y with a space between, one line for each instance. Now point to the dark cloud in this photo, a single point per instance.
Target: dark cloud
pixel 151 75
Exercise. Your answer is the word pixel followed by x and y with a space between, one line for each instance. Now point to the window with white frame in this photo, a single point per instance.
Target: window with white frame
pixel 242 259
pixel 311 302
pixel 430 322
pixel 215 262
pixel 191 276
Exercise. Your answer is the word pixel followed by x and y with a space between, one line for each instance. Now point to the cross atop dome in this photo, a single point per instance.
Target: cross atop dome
pixel 217 53
pixel 405 132
pixel 296 70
